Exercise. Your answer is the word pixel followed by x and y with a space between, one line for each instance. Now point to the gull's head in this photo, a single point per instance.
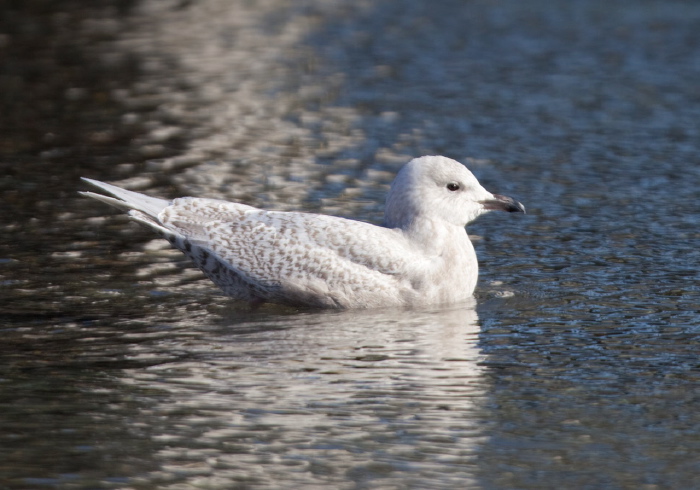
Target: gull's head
pixel 439 188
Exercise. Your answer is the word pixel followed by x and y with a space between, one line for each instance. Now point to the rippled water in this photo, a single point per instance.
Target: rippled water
pixel 577 366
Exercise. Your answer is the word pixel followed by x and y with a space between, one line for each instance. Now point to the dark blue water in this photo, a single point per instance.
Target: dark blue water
pixel 122 367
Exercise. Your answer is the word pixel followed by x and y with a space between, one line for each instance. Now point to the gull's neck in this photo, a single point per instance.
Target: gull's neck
pixel 433 235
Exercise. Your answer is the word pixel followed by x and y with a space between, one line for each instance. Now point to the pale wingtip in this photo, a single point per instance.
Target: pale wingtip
pixel 95 183
pixel 94 195
pixel 90 181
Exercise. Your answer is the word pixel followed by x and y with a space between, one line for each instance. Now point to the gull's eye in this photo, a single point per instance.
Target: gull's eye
pixel 453 186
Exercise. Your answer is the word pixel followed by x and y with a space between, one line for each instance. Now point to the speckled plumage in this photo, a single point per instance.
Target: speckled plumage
pixel 421 256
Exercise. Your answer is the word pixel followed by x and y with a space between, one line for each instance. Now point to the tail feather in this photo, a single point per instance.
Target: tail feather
pixel 127 200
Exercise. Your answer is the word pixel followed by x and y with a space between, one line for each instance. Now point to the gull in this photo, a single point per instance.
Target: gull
pixel 421 255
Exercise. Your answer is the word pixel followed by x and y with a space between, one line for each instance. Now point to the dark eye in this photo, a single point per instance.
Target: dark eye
pixel 453 186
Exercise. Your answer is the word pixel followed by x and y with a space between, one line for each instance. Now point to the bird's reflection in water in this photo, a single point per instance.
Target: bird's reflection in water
pixel 322 390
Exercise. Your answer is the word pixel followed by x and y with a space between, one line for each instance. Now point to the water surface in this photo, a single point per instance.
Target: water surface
pixel 576 367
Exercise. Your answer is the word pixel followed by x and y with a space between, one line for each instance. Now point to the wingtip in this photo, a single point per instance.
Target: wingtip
pixel 90 181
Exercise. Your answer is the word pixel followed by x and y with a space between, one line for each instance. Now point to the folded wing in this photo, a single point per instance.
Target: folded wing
pixel 293 257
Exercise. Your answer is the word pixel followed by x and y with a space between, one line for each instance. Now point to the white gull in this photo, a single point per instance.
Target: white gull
pixel 421 255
